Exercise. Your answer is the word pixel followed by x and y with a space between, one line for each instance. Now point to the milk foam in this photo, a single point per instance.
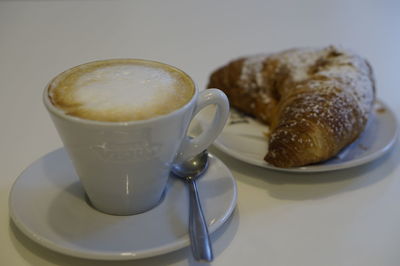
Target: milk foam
pixel 122 86
pixel 120 90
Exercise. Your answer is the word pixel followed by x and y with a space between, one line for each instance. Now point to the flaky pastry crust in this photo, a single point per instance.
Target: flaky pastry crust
pixel 316 101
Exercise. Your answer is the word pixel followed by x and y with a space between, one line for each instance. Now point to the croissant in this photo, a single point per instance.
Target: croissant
pixel 315 100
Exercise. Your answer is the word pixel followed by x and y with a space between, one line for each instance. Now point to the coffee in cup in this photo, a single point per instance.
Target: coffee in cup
pixel 120 90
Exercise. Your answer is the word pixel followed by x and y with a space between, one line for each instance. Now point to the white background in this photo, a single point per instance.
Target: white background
pixel 349 217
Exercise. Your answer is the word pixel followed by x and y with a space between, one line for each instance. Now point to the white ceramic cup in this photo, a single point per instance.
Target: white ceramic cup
pixel 124 166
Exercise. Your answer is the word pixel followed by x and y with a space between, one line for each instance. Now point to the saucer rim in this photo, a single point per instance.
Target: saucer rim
pixel 180 243
pixel 320 168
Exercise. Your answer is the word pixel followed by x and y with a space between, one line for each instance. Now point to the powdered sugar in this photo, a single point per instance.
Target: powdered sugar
pixel 251 76
pixel 341 68
pixel 299 61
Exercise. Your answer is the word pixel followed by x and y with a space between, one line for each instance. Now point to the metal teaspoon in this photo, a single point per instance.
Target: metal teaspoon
pixel 189 171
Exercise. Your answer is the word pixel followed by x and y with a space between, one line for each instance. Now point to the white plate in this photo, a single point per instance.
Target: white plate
pixel 48 204
pixel 243 138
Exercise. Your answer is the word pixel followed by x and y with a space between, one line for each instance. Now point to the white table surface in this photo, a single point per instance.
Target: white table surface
pixel 349 217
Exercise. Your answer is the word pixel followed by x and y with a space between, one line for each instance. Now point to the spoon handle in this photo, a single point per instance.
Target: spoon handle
pixel 199 237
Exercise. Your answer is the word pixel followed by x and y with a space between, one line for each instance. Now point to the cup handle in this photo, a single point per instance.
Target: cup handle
pixel 193 146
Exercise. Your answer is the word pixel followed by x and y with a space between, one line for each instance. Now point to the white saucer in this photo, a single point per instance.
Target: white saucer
pixel 48 204
pixel 243 138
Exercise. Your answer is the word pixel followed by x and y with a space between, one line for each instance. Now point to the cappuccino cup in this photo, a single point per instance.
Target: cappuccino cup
pixel 124 122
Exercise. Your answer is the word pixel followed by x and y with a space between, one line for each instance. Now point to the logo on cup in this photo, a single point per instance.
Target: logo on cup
pixel 126 152
pixel 124 147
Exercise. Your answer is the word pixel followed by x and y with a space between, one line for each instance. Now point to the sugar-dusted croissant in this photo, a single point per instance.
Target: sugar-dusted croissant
pixel 316 101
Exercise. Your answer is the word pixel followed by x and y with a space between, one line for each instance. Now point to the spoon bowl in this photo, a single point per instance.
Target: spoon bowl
pixel 192 168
